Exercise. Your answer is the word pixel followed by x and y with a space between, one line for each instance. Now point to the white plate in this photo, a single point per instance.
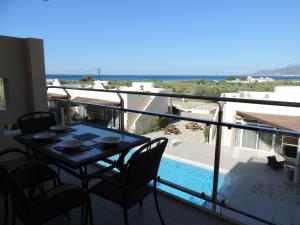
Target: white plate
pixel 110 140
pixel 44 136
pixel 71 144
pixel 60 127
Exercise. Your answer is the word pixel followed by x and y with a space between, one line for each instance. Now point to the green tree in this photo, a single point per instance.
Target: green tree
pixel 205 90
pixel 87 78
pixel 87 81
pixel 229 77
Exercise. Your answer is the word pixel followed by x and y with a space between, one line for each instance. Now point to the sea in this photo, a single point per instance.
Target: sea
pixel 163 77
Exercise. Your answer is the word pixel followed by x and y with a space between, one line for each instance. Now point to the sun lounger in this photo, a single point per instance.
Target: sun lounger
pixel 274 164
pixel 171 129
pixel 193 126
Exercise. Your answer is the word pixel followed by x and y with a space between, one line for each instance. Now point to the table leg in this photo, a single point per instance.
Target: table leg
pixel 83 177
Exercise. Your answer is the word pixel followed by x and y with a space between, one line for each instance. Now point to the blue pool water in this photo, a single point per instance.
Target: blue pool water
pixel 195 178
pixel 188 176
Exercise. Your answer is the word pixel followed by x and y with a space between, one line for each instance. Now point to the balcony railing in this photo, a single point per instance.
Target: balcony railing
pixel 216 203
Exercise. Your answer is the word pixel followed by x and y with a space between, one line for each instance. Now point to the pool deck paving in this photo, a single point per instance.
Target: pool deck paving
pixel 250 185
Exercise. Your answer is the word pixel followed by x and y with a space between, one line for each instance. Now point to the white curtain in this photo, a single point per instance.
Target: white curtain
pixel 249 139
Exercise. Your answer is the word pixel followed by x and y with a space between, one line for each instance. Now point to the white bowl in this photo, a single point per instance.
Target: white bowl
pixel 110 140
pixel 71 144
pixel 60 127
pixel 44 136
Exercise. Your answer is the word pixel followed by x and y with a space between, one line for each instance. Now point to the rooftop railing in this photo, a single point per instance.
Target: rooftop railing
pixel 219 123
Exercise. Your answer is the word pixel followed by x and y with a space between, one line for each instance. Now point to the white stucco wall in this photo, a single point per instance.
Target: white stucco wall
pixel 286 93
pixel 138 102
pixel 157 104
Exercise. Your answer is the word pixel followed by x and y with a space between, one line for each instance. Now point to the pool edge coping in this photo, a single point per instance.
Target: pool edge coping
pixel 194 163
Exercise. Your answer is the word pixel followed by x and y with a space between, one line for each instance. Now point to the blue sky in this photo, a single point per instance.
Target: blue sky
pixel 158 36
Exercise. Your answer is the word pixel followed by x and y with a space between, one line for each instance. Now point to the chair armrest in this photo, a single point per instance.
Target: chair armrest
pixel 109 175
pixel 14 150
pixel 99 173
pixel 39 166
pixel 62 189
pixel 60 199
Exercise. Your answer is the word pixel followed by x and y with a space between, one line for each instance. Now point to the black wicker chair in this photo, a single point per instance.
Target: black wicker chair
pixel 28 173
pixel 36 122
pixel 132 184
pixel 50 204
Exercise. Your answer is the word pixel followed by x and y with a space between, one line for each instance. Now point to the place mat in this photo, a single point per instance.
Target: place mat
pixel 82 148
pixel 86 136
pixel 104 146
pixel 46 141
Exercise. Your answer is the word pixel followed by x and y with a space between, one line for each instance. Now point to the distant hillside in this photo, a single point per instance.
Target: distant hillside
pixel 289 70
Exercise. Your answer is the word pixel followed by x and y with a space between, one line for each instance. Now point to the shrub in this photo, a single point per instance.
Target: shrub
pixel 162 122
pixel 206 133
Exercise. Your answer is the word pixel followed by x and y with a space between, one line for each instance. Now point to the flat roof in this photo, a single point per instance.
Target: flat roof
pixel 95 101
pixel 277 121
pixel 56 96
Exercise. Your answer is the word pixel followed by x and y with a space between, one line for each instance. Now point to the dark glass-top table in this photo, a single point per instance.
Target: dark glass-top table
pixel 95 151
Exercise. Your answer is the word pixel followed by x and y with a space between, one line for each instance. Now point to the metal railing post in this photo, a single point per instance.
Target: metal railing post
pixel 121 113
pixel 217 157
pixel 68 106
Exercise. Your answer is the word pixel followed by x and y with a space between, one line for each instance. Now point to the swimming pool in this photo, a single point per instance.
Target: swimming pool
pixel 194 178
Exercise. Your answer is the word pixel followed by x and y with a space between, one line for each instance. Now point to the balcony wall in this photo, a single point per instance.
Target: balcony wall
pixel 22 64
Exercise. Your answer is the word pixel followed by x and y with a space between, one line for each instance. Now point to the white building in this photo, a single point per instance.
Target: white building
pixel 133 122
pixel 280 117
pixel 251 79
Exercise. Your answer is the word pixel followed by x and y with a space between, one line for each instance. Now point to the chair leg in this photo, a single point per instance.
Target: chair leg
pixel 86 214
pixel 90 212
pixel 5 209
pixel 31 192
pixel 67 214
pixel 13 216
pixel 83 214
pixel 125 215
pixel 141 203
pixel 58 171
pixel 156 204
pixel 41 188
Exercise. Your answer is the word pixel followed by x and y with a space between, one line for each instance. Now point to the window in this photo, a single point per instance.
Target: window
pixel 237 137
pixel 249 139
pixel 2 94
pixel 278 142
pixel 265 141
pixel 253 139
